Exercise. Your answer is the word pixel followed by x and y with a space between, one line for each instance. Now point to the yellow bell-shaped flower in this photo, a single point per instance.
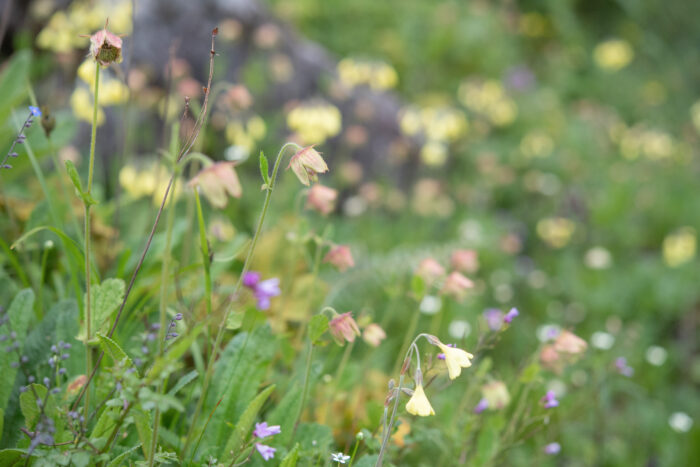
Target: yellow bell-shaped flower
pixel 419 404
pixel 455 359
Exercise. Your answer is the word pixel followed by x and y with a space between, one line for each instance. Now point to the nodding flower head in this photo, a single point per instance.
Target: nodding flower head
pixel 340 257
pixel 455 359
pixel 419 404
pixel 106 47
pixel 307 163
pixel 344 328
pixel 217 181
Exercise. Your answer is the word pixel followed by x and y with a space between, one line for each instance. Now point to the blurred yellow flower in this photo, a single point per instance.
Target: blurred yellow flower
pixel 315 121
pixel 373 73
pixel 496 393
pixel 434 153
pixel 489 99
pixel 536 143
pixel 680 247
pixel 149 179
pixel 419 404
pixel 556 231
pixel 613 54
pixel 81 102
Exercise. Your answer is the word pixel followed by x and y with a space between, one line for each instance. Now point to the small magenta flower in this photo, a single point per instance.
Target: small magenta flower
pixel 552 448
pixel 340 257
pixel 306 164
pixel 263 430
pixel 251 279
pixel 481 406
pixel 510 316
pixel 549 400
pixel 344 328
pixel 265 451
pixel 623 368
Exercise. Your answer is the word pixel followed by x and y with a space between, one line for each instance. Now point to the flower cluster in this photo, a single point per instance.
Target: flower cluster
pixel 171 334
pixel 263 290
pixel 263 430
pixel 454 284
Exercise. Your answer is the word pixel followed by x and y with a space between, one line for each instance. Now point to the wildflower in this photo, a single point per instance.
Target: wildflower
pixel 549 400
pixel 344 328
pixel 494 318
pixel 441 356
pixel 623 368
pixel 466 261
pixel 481 406
pixel 34 111
pixel 656 355
pixel 373 334
pixel 340 458
pixel 496 393
pixel 307 163
pixel 263 290
pixel 510 316
pixel 456 285
pixel 419 404
pixel 680 422
pixel 569 343
pixel 552 448
pixel 216 181
pixel 322 199
pixel 613 54
pixel 340 257
pixel 263 430
pixel 679 247
pixel 265 451
pixel 430 270
pixel 106 47
pixel 455 359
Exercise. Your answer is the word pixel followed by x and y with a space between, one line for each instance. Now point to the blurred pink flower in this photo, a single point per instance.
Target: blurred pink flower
pixel 307 163
pixel 430 271
pixel 456 286
pixel 466 261
pixel 322 199
pixel 340 257
pixel 216 181
pixel 344 328
pixel 373 334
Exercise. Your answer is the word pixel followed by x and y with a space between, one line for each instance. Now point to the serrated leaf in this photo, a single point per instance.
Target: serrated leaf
pixel 292 457
pixel 317 326
pixel 245 422
pixel 113 349
pixel 264 169
pixel 105 299
pixel 20 313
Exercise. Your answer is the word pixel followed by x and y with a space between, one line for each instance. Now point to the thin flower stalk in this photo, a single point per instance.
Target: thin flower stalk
pixel 229 307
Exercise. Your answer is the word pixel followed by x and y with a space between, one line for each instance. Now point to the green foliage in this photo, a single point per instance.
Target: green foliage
pixel 245 422
pixel 20 315
pixel 106 298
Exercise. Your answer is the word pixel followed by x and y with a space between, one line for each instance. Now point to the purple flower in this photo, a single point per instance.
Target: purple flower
pixel 510 316
pixel 251 279
pixel 494 318
pixel 520 78
pixel 266 452
pixel 263 290
pixel 441 356
pixel 623 368
pixel 481 406
pixel 34 111
pixel 552 448
pixel 262 430
pixel 549 400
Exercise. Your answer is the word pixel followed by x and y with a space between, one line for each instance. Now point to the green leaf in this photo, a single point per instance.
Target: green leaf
pixel 119 460
pixel 234 320
pixel 105 299
pixel 184 381
pixel 264 169
pixel 418 287
pixel 13 83
pixel 317 326
pixel 20 313
pixel 113 349
pixel 530 373
pixel 142 420
pixel 104 426
pixel 12 458
pixel 285 413
pixel 74 177
pixel 29 407
pixel 245 422
pixel 292 457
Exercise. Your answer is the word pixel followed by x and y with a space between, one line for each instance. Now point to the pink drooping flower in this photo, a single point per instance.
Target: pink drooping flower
pixel 456 286
pixel 322 199
pixel 466 261
pixel 344 328
pixel 106 47
pixel 306 164
pixel 430 271
pixel 217 181
pixel 340 257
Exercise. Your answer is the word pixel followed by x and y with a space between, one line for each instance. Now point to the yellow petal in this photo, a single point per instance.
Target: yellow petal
pixel 419 404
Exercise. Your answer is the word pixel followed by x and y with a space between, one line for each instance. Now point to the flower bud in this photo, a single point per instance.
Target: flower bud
pixel 106 47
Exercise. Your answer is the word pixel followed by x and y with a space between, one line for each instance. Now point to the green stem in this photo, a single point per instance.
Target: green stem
pixel 222 327
pixel 204 245
pixel 88 309
pixel 305 391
